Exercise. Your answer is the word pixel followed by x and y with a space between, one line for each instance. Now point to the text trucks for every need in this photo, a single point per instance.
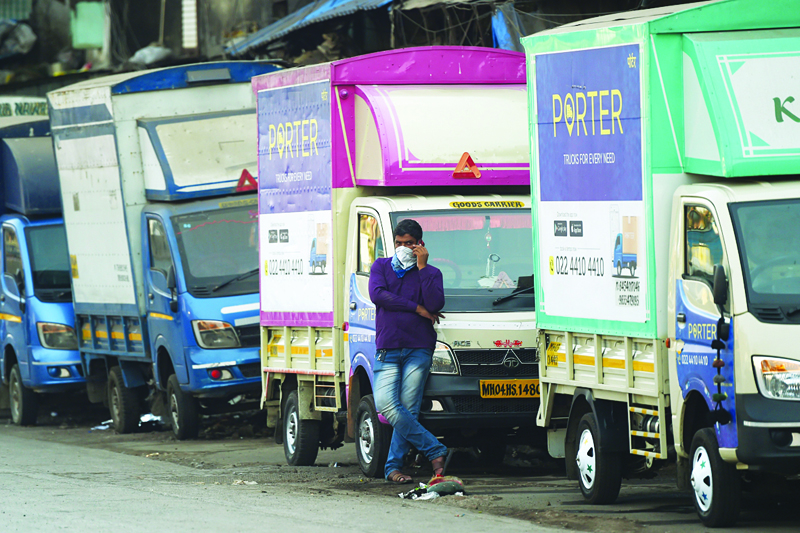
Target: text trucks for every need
pixel 691 354
pixel 355 146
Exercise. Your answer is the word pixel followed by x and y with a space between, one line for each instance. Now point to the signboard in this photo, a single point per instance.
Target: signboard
pixel 294 205
pixel 591 212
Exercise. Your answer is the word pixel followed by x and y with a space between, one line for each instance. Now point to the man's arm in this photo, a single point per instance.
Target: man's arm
pixel 432 286
pixel 380 294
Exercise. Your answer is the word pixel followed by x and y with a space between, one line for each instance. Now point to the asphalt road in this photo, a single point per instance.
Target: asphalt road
pixel 62 475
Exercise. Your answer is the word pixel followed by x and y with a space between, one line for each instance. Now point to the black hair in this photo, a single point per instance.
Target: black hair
pixel 408 226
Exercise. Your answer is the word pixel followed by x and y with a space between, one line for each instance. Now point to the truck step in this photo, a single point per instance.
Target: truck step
pixel 647 453
pixel 643 411
pixel 646 434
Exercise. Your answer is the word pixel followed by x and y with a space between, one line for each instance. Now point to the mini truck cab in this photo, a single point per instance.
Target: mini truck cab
pixel 692 356
pixel 377 139
pixel 39 346
pixel 151 166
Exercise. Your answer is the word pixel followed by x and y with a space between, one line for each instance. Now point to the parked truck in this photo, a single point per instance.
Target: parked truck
pixel 689 128
pixel 162 247
pixel 39 347
pixel 355 146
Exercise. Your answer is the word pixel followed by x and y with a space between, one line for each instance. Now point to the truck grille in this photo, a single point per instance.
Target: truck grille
pixel 249 336
pixel 250 370
pixel 476 404
pixel 504 362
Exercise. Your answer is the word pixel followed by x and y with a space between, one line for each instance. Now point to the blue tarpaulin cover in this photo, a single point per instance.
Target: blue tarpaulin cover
pixel 312 13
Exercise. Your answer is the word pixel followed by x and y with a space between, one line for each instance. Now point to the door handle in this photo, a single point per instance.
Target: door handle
pixel 2 297
pixel 353 305
pixel 150 296
pixel 681 318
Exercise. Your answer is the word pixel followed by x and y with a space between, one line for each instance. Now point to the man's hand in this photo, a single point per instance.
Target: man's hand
pixel 433 317
pixel 422 256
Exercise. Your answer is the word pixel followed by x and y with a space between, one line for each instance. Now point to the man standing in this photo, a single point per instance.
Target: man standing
pixel 408 294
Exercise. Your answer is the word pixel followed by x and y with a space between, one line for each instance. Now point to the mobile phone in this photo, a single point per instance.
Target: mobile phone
pixel 421 242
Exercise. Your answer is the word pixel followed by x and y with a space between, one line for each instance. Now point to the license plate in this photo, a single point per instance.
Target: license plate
pixel 509 388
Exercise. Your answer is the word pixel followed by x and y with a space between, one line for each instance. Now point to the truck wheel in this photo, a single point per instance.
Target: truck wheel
pixel 24 402
pixel 599 472
pixel 632 268
pixel 122 402
pixel 300 437
pixel 716 484
pixel 183 416
pixel 619 269
pixel 372 439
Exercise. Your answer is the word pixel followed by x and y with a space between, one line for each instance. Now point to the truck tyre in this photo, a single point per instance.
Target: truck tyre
pixel 23 401
pixel 300 437
pixel 619 269
pixel 372 439
pixel 599 472
pixel 122 402
pixel 715 483
pixel 183 416
pixel 632 268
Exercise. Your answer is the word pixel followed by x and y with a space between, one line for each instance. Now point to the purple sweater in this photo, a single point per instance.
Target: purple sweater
pixel 397 323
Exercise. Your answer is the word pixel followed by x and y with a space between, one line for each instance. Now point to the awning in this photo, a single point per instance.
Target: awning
pixel 314 12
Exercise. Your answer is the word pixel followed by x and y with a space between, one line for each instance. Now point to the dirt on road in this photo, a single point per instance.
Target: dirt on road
pixel 528 485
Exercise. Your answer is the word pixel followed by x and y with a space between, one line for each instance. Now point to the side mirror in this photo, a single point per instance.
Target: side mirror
pixel 720 287
pixel 171 285
pixel 160 284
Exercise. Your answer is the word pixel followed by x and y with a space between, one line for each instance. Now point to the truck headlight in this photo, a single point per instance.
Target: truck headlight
pixel 57 336
pixel 214 334
pixel 778 378
pixel 443 360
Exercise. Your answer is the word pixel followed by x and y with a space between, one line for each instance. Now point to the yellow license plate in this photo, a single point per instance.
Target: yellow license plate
pixel 509 388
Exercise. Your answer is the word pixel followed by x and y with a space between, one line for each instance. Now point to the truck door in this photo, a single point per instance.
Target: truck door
pixel 369 247
pixel 12 325
pixel 697 315
pixel 163 323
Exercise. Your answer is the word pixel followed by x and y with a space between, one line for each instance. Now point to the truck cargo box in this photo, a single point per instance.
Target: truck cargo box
pixel 30 177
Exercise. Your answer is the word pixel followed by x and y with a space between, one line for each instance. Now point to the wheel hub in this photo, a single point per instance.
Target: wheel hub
pixel 16 399
pixel 173 410
pixel 587 459
pixel 366 437
pixel 291 432
pixel 702 478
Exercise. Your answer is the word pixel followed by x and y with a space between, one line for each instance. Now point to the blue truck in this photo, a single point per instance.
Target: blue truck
pixel 39 347
pixel 162 243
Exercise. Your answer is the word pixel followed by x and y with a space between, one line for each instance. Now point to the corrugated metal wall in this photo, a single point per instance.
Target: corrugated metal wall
pixel 16 9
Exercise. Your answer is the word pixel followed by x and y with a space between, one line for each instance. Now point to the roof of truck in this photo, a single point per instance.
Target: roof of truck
pixel 687 18
pixel 178 77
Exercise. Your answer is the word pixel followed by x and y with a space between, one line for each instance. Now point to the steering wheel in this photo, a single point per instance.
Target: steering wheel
pixel 454 267
pixel 783 259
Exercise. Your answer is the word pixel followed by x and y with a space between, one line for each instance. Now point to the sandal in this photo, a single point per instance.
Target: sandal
pixel 439 465
pixel 399 478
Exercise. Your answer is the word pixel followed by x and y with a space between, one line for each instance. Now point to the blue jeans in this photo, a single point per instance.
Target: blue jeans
pixel 400 376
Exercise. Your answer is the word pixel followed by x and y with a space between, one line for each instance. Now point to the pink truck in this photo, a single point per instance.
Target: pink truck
pixel 345 151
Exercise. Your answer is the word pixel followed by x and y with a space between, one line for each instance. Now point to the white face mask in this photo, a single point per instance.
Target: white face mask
pixel 406 257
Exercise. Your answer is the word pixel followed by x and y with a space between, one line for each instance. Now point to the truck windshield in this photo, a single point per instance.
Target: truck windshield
pixel 47 249
pixel 217 248
pixel 768 234
pixel 484 254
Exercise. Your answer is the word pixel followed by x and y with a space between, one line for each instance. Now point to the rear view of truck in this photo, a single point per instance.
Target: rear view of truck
pixel 346 151
pixel 162 245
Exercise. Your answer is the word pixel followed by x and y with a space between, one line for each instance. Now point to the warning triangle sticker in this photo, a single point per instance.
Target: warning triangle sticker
pixel 246 182
pixel 466 168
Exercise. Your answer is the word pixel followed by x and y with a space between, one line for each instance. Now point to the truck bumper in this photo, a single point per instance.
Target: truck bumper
pixel 769 433
pixel 454 402
pixel 49 365
pixel 243 363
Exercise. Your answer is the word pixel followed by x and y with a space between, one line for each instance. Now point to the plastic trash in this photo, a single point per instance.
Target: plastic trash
pixel 436 487
pixel 15 38
pixel 150 54
pixel 243 482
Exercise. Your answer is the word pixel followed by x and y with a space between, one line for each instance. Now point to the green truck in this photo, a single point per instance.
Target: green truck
pixel 676 130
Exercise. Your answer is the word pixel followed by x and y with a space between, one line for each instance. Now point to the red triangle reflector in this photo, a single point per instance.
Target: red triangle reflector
pixel 466 168
pixel 246 182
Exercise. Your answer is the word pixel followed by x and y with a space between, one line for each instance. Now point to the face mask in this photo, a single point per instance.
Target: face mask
pixel 406 257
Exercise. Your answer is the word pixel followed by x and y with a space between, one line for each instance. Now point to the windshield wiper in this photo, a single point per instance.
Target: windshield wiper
pixel 514 294
pixel 237 278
